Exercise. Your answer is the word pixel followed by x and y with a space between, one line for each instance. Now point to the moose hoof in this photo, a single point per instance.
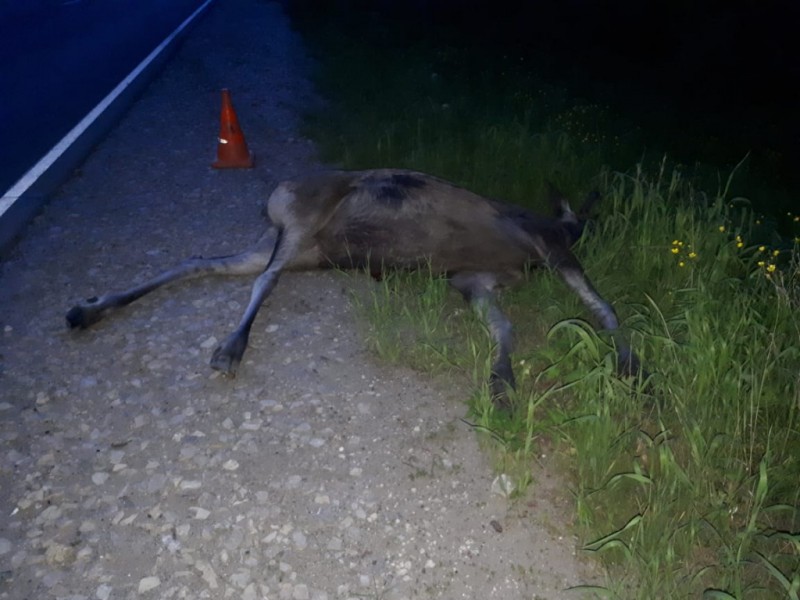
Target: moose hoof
pixel 499 387
pixel 228 355
pixel 83 315
pixel 224 363
pixel 628 365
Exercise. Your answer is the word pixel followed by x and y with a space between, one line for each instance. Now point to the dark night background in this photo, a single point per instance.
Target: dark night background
pixel 706 81
pixel 713 80
pixel 59 58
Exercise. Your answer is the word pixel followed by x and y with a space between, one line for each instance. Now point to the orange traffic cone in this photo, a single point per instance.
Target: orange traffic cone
pixel 232 152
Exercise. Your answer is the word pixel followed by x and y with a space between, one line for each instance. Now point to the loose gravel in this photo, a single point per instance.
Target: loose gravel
pixel 129 469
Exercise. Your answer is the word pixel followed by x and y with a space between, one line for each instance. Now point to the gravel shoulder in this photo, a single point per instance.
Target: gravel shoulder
pixel 128 469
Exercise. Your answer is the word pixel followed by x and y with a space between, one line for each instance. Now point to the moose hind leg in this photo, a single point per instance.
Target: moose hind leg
pixel 627 361
pixel 479 290
pixel 88 312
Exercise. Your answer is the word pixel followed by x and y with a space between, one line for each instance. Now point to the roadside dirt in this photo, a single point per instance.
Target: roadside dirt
pixel 128 469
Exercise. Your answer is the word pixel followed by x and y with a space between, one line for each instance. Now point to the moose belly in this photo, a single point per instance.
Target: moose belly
pixel 411 245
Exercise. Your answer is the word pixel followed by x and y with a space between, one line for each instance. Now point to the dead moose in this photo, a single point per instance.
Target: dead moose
pixel 401 220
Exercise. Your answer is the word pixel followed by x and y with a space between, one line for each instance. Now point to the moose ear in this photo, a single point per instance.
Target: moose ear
pixel 558 203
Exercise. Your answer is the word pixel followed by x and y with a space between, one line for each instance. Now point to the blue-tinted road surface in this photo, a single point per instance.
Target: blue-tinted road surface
pixel 59 58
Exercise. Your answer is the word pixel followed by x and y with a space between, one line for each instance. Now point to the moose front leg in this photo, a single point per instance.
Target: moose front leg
pixel 479 290
pixel 228 355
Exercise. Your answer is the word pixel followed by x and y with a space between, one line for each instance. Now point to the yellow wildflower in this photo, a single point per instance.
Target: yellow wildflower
pixel 762 248
pixel 722 228
pixel 676 250
pixel 771 268
pixel 692 254
pixel 776 252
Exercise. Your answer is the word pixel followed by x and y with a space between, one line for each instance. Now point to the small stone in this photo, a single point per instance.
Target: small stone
pixel 335 544
pixel 241 578
pixel 270 537
pixel 51 513
pixel 5 546
pixel 200 513
pixel 87 527
pixel 209 343
pixel 356 472
pixel 250 592
pixel 189 484
pixel 18 559
pixel 148 583
pixel 103 592
pixel 301 592
pixel 156 482
pixel 59 554
pixel 208 574
pixel 299 540
pixel 503 486
pixel 230 465
pixel 99 478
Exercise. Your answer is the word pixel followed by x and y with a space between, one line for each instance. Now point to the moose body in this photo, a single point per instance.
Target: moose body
pixel 391 219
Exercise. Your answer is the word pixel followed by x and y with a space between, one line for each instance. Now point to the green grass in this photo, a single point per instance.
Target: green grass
pixel 687 486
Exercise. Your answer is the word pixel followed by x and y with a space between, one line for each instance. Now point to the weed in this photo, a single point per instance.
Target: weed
pixel 685 483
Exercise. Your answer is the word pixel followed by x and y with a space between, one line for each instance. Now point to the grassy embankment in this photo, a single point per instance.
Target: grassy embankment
pixel 690 489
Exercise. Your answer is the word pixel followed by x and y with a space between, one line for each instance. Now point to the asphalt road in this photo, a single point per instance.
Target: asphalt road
pixel 59 58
